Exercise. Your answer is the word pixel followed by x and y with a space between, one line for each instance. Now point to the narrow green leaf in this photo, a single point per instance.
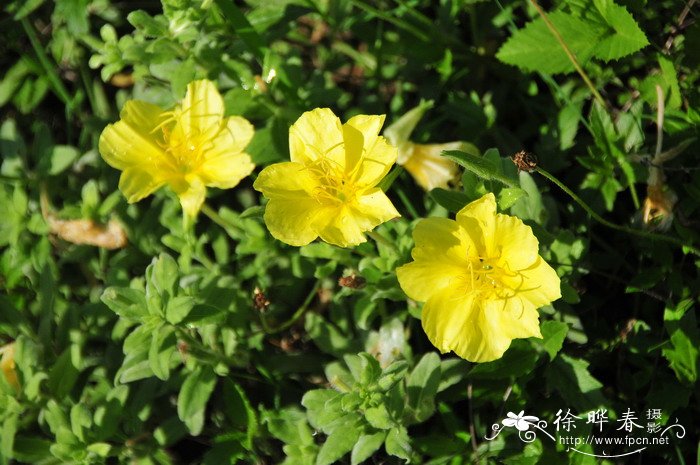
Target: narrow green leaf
pixel 365 446
pixel 340 442
pixel 480 166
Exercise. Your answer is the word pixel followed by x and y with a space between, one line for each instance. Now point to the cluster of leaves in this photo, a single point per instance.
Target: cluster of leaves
pixel 231 347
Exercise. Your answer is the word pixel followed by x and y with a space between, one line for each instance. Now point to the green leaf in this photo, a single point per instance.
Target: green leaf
pixel 681 325
pixel 179 308
pixel 623 36
pixel 365 446
pixel 162 347
pixel 453 201
pixel 571 378
pixel 340 442
pixel 481 166
pixel 534 48
pixel 422 385
pixel 125 302
pixel 518 360
pixel 378 417
pixel 398 443
pixel 162 275
pixel 553 335
pixel 239 410
pixel 508 196
pixel 193 398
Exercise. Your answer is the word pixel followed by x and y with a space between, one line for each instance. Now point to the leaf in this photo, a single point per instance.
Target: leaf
pixel 179 308
pixel 534 48
pixel 398 444
pixel 239 410
pixel 453 201
pixel 378 417
pixel 481 166
pixel 422 385
pixel 160 351
pixel 623 37
pixel 125 302
pixel 365 446
pixel 518 360
pixel 553 335
pixel 681 325
pixel 571 378
pixel 340 442
pixel 193 398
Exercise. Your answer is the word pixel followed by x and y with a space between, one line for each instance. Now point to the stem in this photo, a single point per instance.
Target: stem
pixel 300 311
pixel 379 239
pixel 49 68
pixel 609 224
pixel 216 218
pixel 569 54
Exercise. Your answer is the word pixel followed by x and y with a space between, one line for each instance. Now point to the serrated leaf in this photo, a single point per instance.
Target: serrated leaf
pixel 682 355
pixel 535 48
pixel 481 166
pixel 623 37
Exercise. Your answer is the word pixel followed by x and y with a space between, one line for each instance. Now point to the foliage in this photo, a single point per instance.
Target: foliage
pixel 220 344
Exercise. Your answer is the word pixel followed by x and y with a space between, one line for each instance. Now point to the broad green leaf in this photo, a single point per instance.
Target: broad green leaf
pixel 518 360
pixel 535 48
pixel 126 302
pixel 681 324
pixel 365 446
pixel 623 36
pixel 422 385
pixel 193 398
pixel 571 378
pixel 453 201
pixel 339 442
pixel 178 308
pixel 481 166
pixel 398 443
pixel 160 351
pixel 378 417
pixel 553 335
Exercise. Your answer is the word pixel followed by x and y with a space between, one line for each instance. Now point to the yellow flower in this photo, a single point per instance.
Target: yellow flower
pixel 423 161
pixel 7 364
pixel 481 279
pixel 329 188
pixel 187 148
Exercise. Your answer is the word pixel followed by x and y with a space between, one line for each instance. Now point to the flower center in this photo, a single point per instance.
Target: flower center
pixel 184 145
pixel 485 277
pixel 335 187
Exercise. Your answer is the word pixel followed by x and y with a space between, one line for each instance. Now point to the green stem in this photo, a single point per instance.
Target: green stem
pixel 609 224
pixel 216 218
pixel 379 239
pixel 300 311
pixel 569 54
pixel 49 68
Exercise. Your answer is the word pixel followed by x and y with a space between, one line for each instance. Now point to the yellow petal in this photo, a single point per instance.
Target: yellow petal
pixel 429 168
pixel 340 227
pixel 421 279
pixel 360 135
pixel 539 284
pixel 372 209
pixel 292 220
pixel 131 141
pixel 517 244
pixel 201 110
pixel 225 164
pixel 191 193
pixel 317 134
pixel 442 239
pixel 286 180
pixel 137 182
pixel 7 364
pixel 478 219
pixel 376 163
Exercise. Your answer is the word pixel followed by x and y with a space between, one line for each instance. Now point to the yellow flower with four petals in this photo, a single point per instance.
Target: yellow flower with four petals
pixel 329 188
pixel 481 278
pixel 188 148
